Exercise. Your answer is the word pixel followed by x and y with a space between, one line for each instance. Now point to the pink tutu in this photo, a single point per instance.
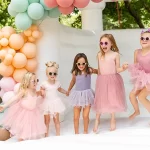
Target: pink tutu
pixel 110 94
pixel 139 77
pixel 24 123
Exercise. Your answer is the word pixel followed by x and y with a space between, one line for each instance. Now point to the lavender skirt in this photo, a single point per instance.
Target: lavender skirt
pixel 82 98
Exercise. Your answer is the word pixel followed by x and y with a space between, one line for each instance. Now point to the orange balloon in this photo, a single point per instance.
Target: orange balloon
pixel 16 41
pixel 3 54
pixel 4 42
pixel 31 65
pixel 18 74
pixel 28 32
pixel 1 34
pixel 29 49
pixel 0 46
pixel 6 71
pixel 34 27
pixel 9 29
pixel 31 39
pixel 36 34
pixel 11 51
pixel 6 34
pixel 8 59
pixel 19 60
pixel 24 37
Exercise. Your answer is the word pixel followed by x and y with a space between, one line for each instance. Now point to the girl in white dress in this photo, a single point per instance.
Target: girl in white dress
pixel 52 104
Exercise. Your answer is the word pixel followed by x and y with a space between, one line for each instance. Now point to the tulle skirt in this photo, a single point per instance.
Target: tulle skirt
pixel 139 77
pixel 82 98
pixel 110 94
pixel 24 123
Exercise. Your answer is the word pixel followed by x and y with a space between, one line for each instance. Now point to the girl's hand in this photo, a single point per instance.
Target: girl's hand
pixel 1 108
pixel 125 66
pixel 67 93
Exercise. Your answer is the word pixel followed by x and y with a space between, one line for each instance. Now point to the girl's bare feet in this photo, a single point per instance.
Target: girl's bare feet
pixel 136 113
pixel 97 123
pixel 112 124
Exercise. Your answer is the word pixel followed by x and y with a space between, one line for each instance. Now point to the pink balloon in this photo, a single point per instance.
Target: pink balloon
pixel 97 1
pixel 67 10
pixel 7 96
pixel 65 3
pixel 51 3
pixel 2 92
pixel 7 84
pixel 81 3
pixel 16 88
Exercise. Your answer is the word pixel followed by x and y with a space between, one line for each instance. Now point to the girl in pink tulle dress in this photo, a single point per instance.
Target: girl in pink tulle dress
pixel 140 75
pixel 24 119
pixel 110 92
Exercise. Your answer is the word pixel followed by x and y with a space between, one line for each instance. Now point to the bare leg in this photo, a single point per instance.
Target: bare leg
pixel 47 122
pixel 134 103
pixel 4 134
pixel 86 112
pixel 143 98
pixel 57 124
pixel 20 140
pixel 97 122
pixel 112 122
pixel 77 111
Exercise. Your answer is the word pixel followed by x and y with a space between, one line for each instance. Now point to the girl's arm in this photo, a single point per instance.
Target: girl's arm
pixel 13 99
pixel 61 90
pixel 94 71
pixel 118 68
pixel 73 81
pixel 98 56
pixel 135 55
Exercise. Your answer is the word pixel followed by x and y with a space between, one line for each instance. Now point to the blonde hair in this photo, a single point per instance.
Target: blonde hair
pixel 113 42
pixel 52 64
pixel 25 82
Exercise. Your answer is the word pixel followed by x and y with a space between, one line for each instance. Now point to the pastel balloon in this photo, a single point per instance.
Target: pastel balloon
pixel 11 51
pixel 6 34
pixel 36 34
pixel 6 71
pixel 35 11
pixel 33 1
pixel 97 1
pixel 44 5
pixel 54 13
pixel 11 11
pixel 31 65
pixel 4 41
pixel 67 10
pixel 19 60
pixel 45 14
pixel 3 54
pixel 24 37
pixel 81 4
pixel 8 59
pixel 16 41
pixel 34 27
pixel 65 3
pixel 7 96
pixel 51 3
pixel 28 32
pixel 1 35
pixel 9 29
pixel 29 50
pixel 18 6
pixel 2 92
pixel 31 39
pixel 18 74
pixel 16 88
pixel 23 21
pixel 7 84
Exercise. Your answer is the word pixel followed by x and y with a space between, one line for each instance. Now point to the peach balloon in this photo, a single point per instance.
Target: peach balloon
pixel 11 51
pixel 19 60
pixel 4 42
pixel 34 27
pixel 9 29
pixel 6 34
pixel 28 32
pixel 16 41
pixel 8 59
pixel 31 39
pixel 29 49
pixel 1 35
pixel 31 65
pixel 0 46
pixel 18 74
pixel 36 34
pixel 6 71
pixel 3 54
pixel 24 37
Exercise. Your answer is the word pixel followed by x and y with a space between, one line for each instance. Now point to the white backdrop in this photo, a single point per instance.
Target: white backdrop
pixel 61 44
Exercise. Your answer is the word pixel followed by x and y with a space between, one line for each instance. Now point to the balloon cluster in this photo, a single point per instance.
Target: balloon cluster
pixel 27 12
pixel 18 52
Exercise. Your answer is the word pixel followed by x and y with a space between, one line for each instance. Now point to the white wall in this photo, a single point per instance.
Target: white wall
pixel 61 43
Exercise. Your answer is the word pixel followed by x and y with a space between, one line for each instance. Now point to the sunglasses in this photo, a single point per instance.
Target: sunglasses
pixel 79 64
pixel 145 39
pixel 35 81
pixel 53 73
pixel 103 43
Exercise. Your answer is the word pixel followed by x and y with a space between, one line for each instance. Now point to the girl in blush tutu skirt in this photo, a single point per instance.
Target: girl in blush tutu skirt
pixel 110 92
pixel 82 96
pixel 24 119
pixel 140 75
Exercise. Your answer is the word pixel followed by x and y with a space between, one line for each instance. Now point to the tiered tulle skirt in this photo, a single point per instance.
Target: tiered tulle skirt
pixel 109 94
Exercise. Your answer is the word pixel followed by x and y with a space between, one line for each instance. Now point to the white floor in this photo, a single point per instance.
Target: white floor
pixel 129 134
